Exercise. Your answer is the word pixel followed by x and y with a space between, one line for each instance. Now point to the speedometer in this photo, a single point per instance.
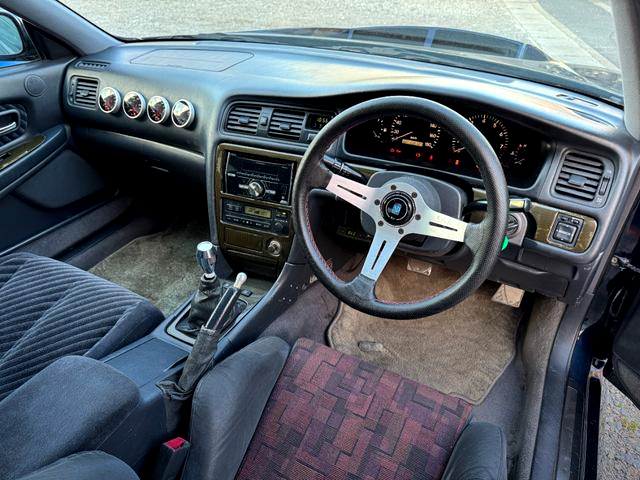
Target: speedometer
pixel 413 132
pixel 494 131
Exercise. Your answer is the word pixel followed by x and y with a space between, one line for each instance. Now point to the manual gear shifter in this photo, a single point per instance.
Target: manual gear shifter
pixel 210 290
pixel 206 258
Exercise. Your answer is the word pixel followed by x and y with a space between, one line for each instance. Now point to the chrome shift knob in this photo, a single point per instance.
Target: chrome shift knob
pixel 206 257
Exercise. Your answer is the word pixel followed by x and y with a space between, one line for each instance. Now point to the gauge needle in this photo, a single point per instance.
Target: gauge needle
pixel 401 136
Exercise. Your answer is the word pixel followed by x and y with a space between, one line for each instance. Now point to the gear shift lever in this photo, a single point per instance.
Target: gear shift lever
pixel 206 258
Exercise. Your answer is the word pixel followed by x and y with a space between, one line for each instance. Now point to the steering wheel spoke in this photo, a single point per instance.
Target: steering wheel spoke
pixel 439 225
pixel 359 195
pixel 382 247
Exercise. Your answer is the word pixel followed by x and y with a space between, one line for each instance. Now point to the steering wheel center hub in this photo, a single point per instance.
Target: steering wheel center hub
pixel 397 208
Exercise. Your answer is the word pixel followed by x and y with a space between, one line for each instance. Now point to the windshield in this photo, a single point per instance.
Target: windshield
pixel 570 43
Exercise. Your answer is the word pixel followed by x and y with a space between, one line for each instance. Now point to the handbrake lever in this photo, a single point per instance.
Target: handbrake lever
pixel 202 355
pixel 221 315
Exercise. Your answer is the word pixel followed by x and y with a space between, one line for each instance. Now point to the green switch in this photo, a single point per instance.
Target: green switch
pixel 505 242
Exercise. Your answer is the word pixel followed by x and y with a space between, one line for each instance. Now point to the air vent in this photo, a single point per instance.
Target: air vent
pixel 580 177
pixel 286 124
pixel 244 118
pixel 84 91
pixel 90 65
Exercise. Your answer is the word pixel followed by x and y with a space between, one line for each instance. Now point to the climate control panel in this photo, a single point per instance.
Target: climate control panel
pixel 272 220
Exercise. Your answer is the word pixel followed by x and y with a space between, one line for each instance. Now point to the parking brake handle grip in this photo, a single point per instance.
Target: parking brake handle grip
pixel 220 316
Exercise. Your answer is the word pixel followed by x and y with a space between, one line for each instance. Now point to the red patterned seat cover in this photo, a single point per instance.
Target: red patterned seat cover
pixel 334 416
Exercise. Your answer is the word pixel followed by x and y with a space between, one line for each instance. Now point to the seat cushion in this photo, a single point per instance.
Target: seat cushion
pixel 227 406
pixel 332 415
pixel 85 466
pixel 49 309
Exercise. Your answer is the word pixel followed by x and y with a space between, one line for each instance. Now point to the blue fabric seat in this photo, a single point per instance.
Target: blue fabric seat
pixel 49 309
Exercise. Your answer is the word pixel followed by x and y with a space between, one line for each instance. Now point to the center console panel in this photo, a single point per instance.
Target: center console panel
pixel 253 190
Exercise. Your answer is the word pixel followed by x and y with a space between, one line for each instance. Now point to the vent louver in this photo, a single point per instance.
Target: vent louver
pixel 91 65
pixel 84 92
pixel 244 118
pixel 286 124
pixel 579 176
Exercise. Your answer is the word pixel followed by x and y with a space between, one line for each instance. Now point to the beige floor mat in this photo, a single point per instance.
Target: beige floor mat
pixel 461 351
pixel 161 267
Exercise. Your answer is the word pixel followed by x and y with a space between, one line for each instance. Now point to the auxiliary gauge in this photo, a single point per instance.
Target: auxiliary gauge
pixel 158 109
pixel 109 100
pixel 133 104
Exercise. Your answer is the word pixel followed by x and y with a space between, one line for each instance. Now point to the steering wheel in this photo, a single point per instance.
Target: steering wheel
pixel 398 209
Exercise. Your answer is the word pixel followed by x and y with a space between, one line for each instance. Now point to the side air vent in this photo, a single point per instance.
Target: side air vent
pixel 286 124
pixel 581 176
pixel 91 65
pixel 244 118
pixel 84 92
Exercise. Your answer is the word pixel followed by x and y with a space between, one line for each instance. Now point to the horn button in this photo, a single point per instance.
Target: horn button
pixel 397 208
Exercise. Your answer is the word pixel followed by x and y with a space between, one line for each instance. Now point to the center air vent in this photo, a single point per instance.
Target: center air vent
pixel 84 91
pixel 583 177
pixel 244 118
pixel 286 124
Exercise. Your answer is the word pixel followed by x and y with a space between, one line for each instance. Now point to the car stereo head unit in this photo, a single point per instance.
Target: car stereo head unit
pixel 258 178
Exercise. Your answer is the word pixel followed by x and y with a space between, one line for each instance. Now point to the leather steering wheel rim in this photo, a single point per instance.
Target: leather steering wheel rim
pixel 484 239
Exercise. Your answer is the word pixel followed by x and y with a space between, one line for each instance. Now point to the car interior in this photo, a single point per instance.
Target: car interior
pixel 250 259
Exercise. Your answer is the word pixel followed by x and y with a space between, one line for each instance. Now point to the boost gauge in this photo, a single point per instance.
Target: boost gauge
pixel 133 104
pixel 109 100
pixel 158 109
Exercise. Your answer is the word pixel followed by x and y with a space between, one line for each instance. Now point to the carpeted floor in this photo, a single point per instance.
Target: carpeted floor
pixel 161 267
pixel 461 351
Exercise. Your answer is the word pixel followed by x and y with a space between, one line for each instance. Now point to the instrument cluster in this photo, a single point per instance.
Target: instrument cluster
pixel 406 139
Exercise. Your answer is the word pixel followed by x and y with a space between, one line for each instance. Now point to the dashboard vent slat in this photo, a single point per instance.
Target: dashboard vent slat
pixel 579 176
pixel 244 118
pixel 84 92
pixel 92 65
pixel 286 124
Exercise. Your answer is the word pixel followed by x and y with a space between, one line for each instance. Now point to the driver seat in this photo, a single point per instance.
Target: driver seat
pixel 315 413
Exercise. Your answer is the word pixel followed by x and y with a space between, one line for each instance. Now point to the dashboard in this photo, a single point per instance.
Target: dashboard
pixel 405 139
pixel 237 119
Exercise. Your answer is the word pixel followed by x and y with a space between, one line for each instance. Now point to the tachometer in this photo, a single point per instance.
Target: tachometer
pixel 493 129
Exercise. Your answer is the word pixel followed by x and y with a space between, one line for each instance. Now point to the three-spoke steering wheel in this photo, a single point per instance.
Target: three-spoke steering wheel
pixel 398 209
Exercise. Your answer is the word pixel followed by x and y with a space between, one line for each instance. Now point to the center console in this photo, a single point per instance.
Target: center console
pixel 253 203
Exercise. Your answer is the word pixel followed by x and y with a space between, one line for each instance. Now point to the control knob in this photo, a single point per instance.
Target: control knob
pixel 274 248
pixel 255 189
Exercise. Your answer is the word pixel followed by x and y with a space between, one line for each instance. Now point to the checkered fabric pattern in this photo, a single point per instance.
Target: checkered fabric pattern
pixel 334 416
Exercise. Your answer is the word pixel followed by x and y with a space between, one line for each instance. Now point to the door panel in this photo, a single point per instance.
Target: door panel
pixel 626 357
pixel 619 339
pixel 43 182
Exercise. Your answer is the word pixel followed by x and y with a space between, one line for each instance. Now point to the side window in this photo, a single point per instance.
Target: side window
pixel 15 45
